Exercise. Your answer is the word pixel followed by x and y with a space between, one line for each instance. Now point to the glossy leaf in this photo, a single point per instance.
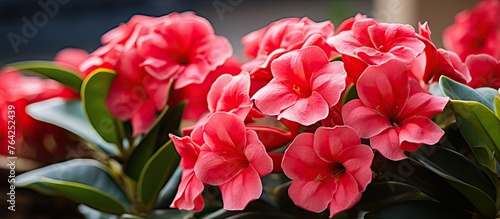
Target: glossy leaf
pixel 489 93
pixel 167 122
pixel 156 172
pixel 463 175
pixel 417 210
pixel 483 121
pixel 82 180
pixel 458 91
pixel 350 94
pixel 68 114
pixel 94 91
pixel 89 212
pixel 497 105
pixel 167 193
pixel 51 70
pixel 382 194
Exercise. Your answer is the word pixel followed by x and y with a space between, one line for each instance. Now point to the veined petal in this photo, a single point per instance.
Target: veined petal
pixel 312 195
pixel 274 97
pixel 188 195
pixel 329 142
pixel 346 196
pixel 420 130
pixel 257 155
pixel 214 169
pixel 242 189
pixel 300 161
pixel 387 143
pixel 224 130
pixel 307 111
pixel 367 122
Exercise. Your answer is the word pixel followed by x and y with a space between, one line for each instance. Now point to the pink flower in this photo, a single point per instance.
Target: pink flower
pixel 347 23
pixel 233 159
pixel 304 86
pixel 329 169
pixel 373 43
pixel 279 37
pixel 72 58
pixel 31 135
pixel 475 31
pixel 149 54
pixel 185 48
pixel 196 94
pixel 231 94
pixel 393 111
pixel 189 191
pixel 433 63
pixel 485 71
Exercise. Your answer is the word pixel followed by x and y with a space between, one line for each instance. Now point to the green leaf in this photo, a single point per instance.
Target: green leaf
pixel 68 114
pixel 458 91
pixel 89 212
pixel 462 174
pixel 351 94
pixel 155 173
pixel 167 122
pixel 489 93
pixel 474 118
pixel 51 70
pixel 382 194
pixel 167 193
pixel 94 92
pixel 417 210
pixel 497 105
pixel 82 180
pixel 171 214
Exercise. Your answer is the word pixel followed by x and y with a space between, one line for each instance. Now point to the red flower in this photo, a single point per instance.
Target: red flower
pixel 330 168
pixel 233 159
pixel 148 55
pixel 279 37
pixel 485 71
pixel 393 112
pixel 33 139
pixel 304 87
pixel 189 191
pixel 475 31
pixel 433 63
pixel 373 43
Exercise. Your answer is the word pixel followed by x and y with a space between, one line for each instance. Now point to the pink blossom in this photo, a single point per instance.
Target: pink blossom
pixel 234 159
pixel 475 30
pixel 288 34
pixel 329 169
pixel 433 63
pixel 393 111
pixel 150 54
pixel 304 86
pixel 195 95
pixel 373 43
pixel 72 58
pixel 485 71
pixel 189 191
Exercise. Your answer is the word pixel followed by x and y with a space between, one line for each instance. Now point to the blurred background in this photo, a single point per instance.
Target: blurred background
pixel 37 29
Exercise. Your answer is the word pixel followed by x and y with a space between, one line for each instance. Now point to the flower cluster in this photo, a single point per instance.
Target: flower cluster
pixel 314 103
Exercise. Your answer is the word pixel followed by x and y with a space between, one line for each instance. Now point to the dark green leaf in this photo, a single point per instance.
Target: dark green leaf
pixel 89 212
pixel 351 94
pixel 94 92
pixel 156 172
pixel 68 114
pixel 253 215
pixel 463 175
pixel 171 214
pixel 82 180
pixel 476 118
pixel 168 192
pixel 417 210
pixel 382 194
pixel 168 122
pixel 51 70
pixel 458 91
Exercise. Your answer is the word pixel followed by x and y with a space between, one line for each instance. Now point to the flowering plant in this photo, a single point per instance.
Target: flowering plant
pixel 369 119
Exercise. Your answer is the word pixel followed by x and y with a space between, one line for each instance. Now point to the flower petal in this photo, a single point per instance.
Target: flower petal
pixel 420 130
pixel 307 111
pixel 387 143
pixel 257 155
pixel 346 196
pixel 367 122
pixel 242 189
pixel 312 195
pixel 188 195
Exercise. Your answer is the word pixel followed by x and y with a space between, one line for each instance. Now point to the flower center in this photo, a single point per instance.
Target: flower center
pixel 302 91
pixel 338 171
